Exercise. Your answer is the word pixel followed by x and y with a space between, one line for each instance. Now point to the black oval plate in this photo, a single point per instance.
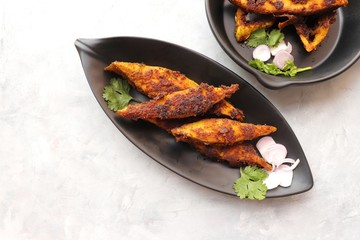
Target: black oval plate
pixel 339 50
pixel 95 54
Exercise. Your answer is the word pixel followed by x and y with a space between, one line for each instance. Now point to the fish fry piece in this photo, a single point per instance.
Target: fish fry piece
pixel 156 82
pixel 295 7
pixel 311 37
pixel 235 155
pixel 226 109
pixel 244 27
pixel 181 104
pixel 220 131
pixel 291 19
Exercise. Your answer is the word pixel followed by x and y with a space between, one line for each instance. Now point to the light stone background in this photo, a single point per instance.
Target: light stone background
pixel 66 172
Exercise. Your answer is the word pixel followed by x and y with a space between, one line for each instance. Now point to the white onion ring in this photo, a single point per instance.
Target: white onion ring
pixel 274 153
pixel 289 48
pixel 286 178
pixel 264 143
pixel 281 46
pixel 272 181
pixel 281 58
pixel 262 52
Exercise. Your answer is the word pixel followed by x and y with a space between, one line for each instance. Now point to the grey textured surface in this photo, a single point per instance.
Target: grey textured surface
pixel 66 172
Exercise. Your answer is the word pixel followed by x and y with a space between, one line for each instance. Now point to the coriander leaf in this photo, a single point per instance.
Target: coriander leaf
pixel 257 38
pixel 117 94
pixel 241 188
pixel 290 70
pixel 275 37
pixel 254 173
pixel 256 190
pixel 261 36
pixel 268 68
pixel 250 184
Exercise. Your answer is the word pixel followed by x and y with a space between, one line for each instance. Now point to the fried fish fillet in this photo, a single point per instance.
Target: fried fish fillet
pixel 220 131
pixel 235 155
pixel 153 81
pixel 312 36
pixel 181 104
pixel 156 82
pixel 290 20
pixel 244 27
pixel 295 7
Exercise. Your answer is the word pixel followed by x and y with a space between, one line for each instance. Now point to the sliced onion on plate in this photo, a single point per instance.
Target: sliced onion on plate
pixel 281 58
pixel 262 52
pixel 281 46
pixel 264 143
pixel 275 153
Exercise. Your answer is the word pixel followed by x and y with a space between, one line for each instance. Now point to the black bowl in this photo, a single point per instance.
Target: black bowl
pixel 339 50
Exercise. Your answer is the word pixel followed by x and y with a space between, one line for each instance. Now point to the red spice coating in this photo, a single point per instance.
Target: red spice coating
pixel 181 104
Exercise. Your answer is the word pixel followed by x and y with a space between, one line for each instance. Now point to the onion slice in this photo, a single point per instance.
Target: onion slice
pixel 271 151
pixel 286 178
pixel 281 58
pixel 280 177
pixel 262 52
pixel 275 153
pixel 281 46
pixel 272 181
pixel 264 143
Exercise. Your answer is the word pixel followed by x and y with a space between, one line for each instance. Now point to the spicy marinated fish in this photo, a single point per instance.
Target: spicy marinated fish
pixel 156 82
pixel 220 131
pixel 295 7
pixel 181 104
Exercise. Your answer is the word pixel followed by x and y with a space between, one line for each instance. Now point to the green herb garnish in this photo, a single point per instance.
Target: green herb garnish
pixel 290 70
pixel 275 37
pixel 260 36
pixel 117 94
pixel 250 184
pixel 257 38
